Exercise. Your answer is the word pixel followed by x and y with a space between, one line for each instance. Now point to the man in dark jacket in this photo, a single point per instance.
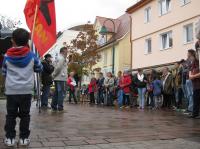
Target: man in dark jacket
pixel 46 79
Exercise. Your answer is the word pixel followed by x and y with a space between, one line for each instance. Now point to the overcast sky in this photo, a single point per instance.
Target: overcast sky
pixel 71 12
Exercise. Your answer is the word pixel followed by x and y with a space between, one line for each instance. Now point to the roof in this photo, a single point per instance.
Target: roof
pixel 108 24
pixel 122 25
pixel 83 27
pixel 137 6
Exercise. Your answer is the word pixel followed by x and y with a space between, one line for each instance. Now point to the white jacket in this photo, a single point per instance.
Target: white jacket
pixel 60 71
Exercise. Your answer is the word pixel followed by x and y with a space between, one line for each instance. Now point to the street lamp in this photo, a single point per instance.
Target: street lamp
pixel 104 31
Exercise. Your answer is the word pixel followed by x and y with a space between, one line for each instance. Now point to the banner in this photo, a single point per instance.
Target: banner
pixel 41 20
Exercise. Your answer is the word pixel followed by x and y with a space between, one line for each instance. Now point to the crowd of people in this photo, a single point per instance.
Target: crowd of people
pixel 177 88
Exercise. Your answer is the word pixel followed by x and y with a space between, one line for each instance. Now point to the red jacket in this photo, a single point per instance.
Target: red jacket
pixel 125 83
pixel 92 87
pixel 69 81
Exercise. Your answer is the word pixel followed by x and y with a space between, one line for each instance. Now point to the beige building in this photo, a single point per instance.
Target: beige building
pixel 162 31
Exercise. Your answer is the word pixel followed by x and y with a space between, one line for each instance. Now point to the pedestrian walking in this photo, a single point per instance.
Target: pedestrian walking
pixel 18 69
pixel 47 80
pixel 60 77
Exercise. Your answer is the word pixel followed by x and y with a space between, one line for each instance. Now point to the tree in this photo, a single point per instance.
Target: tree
pixel 8 23
pixel 83 53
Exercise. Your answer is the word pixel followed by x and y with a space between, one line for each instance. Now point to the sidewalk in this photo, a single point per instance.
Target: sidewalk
pixel 87 127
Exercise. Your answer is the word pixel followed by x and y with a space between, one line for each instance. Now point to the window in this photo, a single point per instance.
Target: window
pixel 147 15
pixel 148 46
pixel 164 6
pixel 188 33
pixel 166 40
pixel 184 2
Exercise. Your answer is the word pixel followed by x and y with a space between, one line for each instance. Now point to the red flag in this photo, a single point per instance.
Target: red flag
pixel 44 34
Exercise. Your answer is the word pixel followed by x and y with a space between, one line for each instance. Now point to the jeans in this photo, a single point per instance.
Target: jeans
pixel 189 91
pixel 120 97
pixel 18 106
pixel 72 95
pixel 100 98
pixel 126 100
pixel 141 93
pixel 179 97
pixel 196 101
pixel 45 95
pixel 58 98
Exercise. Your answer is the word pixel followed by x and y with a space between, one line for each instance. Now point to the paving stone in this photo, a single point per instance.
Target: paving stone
pixel 54 144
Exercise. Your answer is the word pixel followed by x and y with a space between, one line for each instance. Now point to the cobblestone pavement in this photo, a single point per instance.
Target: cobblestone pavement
pixel 91 127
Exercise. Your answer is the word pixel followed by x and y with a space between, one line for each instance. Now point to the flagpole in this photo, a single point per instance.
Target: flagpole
pixel 36 76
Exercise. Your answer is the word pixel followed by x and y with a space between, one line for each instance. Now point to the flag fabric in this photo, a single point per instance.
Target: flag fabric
pixel 44 31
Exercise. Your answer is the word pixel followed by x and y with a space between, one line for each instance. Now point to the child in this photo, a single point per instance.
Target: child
pixel 157 91
pixel 83 93
pixel 72 83
pixel 92 89
pixel 18 68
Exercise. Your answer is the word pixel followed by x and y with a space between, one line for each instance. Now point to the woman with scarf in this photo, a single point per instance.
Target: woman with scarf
pixel 141 82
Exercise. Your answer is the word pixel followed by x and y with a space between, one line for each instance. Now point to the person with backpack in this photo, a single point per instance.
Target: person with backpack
pixel 18 69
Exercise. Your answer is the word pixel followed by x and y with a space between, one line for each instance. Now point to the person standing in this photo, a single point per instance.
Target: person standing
pixel 109 84
pixel 194 75
pixel 18 69
pixel 100 86
pixel 60 77
pixel 167 82
pixel 157 92
pixel 177 75
pixel 125 84
pixel 72 85
pixel 119 90
pixel 92 89
pixel 141 82
pixel 47 80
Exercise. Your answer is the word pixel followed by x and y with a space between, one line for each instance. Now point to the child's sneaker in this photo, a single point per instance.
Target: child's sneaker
pixel 24 142
pixel 9 142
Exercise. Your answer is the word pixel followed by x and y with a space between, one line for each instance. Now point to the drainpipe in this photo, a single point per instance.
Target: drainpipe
pixel 131 41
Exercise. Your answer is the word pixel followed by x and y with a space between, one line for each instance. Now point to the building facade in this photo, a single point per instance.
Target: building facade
pixel 121 41
pixel 162 31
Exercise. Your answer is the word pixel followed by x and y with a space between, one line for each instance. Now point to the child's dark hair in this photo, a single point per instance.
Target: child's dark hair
pixel 21 37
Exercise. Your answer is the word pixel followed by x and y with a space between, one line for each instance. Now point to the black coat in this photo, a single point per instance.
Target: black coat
pixel 47 73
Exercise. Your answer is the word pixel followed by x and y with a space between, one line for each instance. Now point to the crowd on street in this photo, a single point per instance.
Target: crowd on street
pixel 176 88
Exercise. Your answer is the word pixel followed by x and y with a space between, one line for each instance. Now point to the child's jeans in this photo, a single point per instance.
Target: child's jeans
pixel 158 101
pixel 18 106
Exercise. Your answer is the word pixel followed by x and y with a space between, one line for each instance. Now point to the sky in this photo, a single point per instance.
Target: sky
pixel 71 12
